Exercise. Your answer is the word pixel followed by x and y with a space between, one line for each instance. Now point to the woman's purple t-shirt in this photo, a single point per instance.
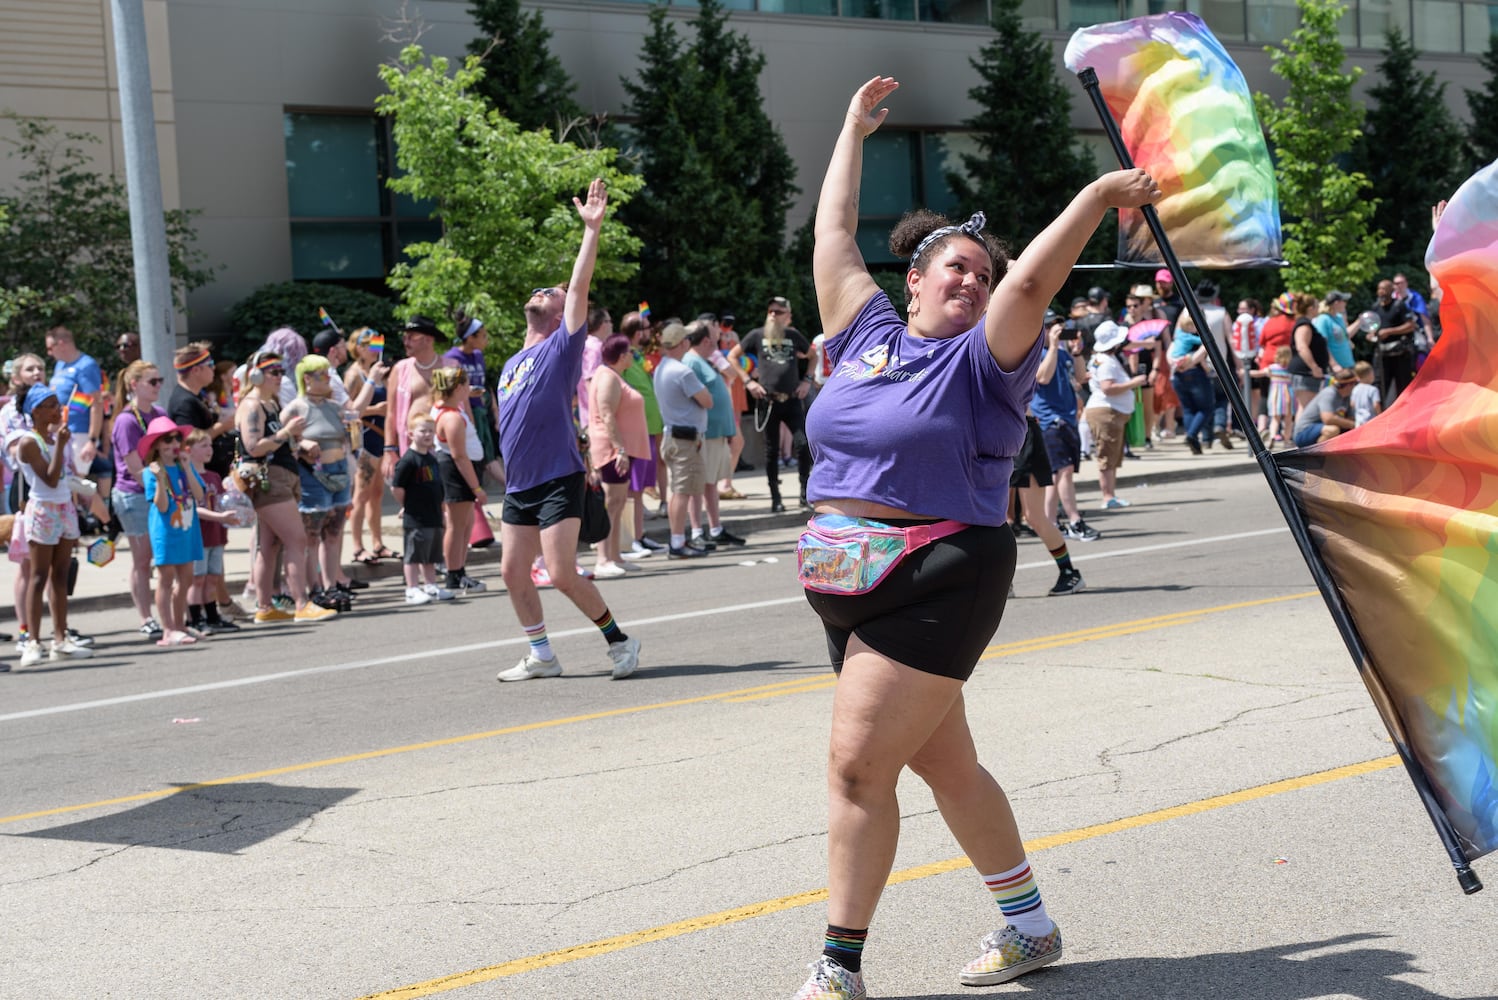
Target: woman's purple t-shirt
pixel 929 426
pixel 129 428
pixel 537 437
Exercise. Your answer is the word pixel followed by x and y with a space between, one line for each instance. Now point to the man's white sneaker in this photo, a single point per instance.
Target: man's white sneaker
pixel 437 593
pixel 626 657
pixel 69 650
pixel 608 571
pixel 532 666
pixel 415 595
pixel 32 654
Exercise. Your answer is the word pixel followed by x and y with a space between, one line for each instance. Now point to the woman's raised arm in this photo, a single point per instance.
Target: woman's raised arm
pixel 842 279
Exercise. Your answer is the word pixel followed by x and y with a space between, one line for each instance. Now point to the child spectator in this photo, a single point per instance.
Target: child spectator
pixel 1366 403
pixel 208 572
pixel 1281 405
pixel 417 485
pixel 175 493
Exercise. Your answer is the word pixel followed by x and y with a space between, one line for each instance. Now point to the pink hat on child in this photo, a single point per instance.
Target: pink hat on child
pixel 158 428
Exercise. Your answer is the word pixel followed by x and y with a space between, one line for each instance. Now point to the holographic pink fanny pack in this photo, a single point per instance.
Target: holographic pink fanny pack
pixel 852 555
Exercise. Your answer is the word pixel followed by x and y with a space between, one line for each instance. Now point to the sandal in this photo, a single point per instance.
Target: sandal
pixel 730 494
pixel 176 639
pixel 384 553
pixel 363 555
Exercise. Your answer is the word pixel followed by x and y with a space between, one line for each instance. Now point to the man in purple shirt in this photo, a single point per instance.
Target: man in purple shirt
pixel 544 471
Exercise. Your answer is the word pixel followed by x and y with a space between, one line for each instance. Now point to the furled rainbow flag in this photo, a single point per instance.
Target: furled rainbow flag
pixel 1187 117
pixel 1404 511
pixel 80 400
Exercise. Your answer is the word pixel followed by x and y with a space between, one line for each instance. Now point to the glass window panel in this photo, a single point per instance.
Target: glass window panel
pixel 884 10
pixel 328 250
pixel 826 8
pixel 332 165
pixel 1075 14
pixel 1347 27
pixel 888 173
pixel 1438 26
pixel 1273 21
pixel 942 153
pixel 729 4
pixel 955 11
pixel 1376 17
pixel 407 232
pixel 873 241
pixel 1479 25
pixel 1038 15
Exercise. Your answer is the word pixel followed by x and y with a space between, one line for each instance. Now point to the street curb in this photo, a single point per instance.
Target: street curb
pixel 489 555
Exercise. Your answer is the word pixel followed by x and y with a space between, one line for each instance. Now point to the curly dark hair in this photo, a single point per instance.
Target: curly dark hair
pixel 916 225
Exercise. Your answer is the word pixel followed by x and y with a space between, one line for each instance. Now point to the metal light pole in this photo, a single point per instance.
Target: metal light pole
pixel 153 289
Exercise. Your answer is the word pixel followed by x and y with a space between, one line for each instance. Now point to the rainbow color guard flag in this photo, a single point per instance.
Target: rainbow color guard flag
pixel 1187 116
pixel 80 400
pixel 1404 511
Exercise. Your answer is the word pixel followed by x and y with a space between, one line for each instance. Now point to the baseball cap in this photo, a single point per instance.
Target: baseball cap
pixel 1097 294
pixel 1164 275
pixel 1080 300
pixel 1342 376
pixel 673 334
pixel 708 317
pixel 1335 296
pixel 325 341
pixel 727 319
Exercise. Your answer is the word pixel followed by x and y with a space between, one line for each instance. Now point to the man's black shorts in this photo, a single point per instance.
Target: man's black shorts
pixel 549 503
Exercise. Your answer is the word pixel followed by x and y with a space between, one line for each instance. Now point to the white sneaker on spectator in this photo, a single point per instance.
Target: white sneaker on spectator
pixel 608 571
pixel 437 593
pixel 32 653
pixel 416 595
pixel 69 650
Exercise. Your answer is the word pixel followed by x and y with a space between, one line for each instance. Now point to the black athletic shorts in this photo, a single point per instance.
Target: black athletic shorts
pixel 1032 462
pixel 455 488
pixel 936 611
pixel 550 503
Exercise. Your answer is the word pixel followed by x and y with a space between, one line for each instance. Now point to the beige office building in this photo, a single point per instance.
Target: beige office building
pixel 265 122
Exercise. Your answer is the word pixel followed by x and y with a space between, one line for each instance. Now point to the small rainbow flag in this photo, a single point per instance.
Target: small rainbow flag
pixel 377 343
pixel 327 320
pixel 80 400
pixel 644 310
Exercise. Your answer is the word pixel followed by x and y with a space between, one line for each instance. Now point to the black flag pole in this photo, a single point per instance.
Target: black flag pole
pixel 1466 877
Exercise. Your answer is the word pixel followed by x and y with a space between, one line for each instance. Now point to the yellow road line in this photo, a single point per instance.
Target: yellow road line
pixel 722 918
pixel 794 686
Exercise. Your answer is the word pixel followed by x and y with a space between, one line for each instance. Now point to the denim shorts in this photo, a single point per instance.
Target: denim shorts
pixel 212 563
pixel 315 496
pixel 131 509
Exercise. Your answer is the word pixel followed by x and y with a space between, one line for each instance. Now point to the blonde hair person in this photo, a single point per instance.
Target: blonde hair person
pixel 267 442
pixel 367 368
pixel 140 386
pixel 325 479
pixel 459 453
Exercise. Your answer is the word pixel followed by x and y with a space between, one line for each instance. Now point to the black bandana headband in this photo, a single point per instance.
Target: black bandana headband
pixel 972 227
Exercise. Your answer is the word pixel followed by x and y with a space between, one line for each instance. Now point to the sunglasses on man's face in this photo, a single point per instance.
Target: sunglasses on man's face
pixel 545 292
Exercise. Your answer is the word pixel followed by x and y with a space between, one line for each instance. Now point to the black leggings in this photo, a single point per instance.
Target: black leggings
pixel 936 611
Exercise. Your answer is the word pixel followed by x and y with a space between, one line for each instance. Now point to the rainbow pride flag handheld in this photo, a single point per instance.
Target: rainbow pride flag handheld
pixel 644 310
pixel 377 343
pixel 1187 116
pixel 327 320
pixel 80 400
pixel 1404 511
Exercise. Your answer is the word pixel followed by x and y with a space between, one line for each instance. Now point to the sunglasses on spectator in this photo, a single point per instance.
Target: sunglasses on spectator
pixel 277 371
pixel 547 292
pixel 155 381
pixel 171 439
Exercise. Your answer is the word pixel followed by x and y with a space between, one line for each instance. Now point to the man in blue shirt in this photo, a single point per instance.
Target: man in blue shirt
pixel 1415 302
pixel 1055 408
pixel 717 456
pixel 77 381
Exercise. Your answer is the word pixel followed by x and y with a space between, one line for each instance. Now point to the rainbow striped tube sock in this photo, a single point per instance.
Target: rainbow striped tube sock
pixel 1019 897
pixel 845 947
pixel 612 633
pixel 540 645
pixel 1062 557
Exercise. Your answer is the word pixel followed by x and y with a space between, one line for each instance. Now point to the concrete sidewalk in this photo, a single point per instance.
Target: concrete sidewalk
pixel 1168 461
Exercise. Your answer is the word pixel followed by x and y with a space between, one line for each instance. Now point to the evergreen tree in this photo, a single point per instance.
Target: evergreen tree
pixel 718 177
pixel 1482 133
pixel 1406 146
pixel 1029 165
pixel 1329 240
pixel 522 79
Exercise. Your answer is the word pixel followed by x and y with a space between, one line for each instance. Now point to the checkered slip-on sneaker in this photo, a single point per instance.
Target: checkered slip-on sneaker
pixel 830 981
pixel 1007 953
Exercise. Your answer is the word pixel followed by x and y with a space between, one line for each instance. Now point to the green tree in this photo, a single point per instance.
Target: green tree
pixel 503 195
pixel 1405 151
pixel 718 178
pixel 1482 105
pixel 522 79
pixel 1329 239
pixel 66 253
pixel 1020 185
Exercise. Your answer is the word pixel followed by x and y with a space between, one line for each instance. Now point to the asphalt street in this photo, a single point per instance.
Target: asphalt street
pixel 358 809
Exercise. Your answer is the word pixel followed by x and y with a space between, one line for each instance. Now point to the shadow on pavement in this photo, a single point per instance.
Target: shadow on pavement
pixel 224 819
pixel 1284 972
pixel 710 669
